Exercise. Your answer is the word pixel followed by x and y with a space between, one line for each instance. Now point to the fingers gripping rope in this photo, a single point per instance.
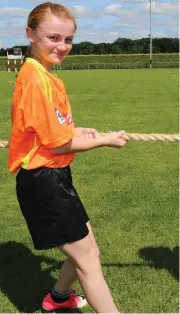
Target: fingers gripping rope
pixel 132 136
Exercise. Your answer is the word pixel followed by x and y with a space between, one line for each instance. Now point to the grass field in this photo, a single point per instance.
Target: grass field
pixel 131 194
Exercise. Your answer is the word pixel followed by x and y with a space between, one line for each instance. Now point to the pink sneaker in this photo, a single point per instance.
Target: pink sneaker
pixel 73 302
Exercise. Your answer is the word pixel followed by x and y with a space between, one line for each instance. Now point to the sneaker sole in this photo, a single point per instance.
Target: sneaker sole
pixel 83 303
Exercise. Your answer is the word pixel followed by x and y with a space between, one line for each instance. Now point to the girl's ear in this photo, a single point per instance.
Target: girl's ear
pixel 30 34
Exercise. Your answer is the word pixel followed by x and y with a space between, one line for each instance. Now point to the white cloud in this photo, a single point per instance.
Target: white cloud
pixel 124 24
pixel 55 1
pixel 144 33
pixel 105 25
pixel 135 1
pixel 164 8
pixel 113 34
pixel 80 11
pixel 96 34
pixel 14 12
pixel 142 20
pixel 117 10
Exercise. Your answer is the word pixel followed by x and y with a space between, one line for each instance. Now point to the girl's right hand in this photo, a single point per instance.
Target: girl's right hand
pixel 115 139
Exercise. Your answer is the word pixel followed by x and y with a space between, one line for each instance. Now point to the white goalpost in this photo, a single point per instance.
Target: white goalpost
pixel 17 55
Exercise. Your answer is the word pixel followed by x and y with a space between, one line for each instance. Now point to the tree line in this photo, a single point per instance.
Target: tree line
pixel 119 46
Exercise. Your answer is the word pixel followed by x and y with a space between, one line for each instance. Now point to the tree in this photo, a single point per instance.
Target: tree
pixel 164 44
pixel 3 52
pixel 100 49
pixel 121 45
pixel 86 48
pixel 116 49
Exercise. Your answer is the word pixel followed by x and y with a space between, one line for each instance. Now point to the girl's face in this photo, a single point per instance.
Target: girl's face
pixel 52 40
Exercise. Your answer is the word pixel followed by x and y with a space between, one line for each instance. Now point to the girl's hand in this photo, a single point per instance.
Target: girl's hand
pixel 87 133
pixel 114 139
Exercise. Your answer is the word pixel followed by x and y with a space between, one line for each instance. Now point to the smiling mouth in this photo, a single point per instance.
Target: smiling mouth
pixel 60 55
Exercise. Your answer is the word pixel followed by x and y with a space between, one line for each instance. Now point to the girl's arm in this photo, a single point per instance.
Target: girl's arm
pixel 113 139
pixel 87 132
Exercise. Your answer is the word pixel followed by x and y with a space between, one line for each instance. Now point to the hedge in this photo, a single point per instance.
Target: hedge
pixel 121 61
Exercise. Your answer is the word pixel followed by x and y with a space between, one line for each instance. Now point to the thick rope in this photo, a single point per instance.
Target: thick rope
pixel 131 136
pixel 4 144
pixel 151 137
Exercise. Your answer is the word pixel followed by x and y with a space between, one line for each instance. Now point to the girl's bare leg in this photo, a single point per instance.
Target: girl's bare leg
pixel 85 258
pixel 67 277
pixel 68 274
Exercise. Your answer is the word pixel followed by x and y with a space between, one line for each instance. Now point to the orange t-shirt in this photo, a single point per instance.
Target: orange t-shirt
pixel 41 120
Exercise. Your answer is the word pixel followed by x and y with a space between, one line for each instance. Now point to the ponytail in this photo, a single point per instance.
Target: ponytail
pixel 28 54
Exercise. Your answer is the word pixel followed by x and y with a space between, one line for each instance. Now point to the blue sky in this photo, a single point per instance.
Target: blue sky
pixel 98 21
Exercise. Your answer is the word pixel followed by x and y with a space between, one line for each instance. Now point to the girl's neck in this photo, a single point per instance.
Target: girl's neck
pixel 44 63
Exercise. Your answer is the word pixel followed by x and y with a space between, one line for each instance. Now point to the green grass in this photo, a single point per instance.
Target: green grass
pixel 131 194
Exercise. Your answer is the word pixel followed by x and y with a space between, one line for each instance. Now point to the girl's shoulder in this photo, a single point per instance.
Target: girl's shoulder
pixel 28 70
pixel 29 74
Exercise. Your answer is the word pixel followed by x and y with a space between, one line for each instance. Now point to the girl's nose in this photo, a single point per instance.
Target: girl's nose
pixel 62 46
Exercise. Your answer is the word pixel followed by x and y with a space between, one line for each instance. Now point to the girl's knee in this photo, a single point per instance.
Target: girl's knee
pixel 89 261
pixel 83 254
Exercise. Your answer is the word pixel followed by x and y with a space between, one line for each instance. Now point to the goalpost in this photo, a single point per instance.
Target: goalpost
pixel 16 56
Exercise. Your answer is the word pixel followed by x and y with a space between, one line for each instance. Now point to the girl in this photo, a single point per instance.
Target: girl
pixel 43 144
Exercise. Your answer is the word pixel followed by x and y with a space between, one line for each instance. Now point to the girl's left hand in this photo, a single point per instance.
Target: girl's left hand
pixel 87 133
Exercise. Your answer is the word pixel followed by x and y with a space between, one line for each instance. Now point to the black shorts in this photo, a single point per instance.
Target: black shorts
pixel 51 207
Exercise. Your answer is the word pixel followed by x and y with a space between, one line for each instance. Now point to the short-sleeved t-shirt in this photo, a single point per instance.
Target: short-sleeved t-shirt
pixel 41 120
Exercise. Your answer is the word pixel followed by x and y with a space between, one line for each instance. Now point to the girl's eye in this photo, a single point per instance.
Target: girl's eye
pixel 69 40
pixel 53 38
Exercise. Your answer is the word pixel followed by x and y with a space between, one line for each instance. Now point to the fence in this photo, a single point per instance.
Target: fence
pixel 99 66
pixel 106 66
